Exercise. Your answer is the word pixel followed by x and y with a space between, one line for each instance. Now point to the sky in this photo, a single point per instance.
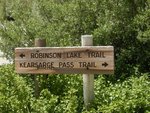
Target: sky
pixel 2 59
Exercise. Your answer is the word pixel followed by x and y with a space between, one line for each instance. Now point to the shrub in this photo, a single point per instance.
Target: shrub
pixel 15 94
pixel 130 96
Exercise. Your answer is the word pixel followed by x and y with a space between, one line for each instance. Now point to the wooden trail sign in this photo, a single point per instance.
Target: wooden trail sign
pixel 55 60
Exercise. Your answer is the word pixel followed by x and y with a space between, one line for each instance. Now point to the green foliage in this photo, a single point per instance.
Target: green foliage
pixel 125 24
pixel 132 95
pixel 142 26
pixel 16 94
pixel 45 103
pixel 62 94
pixel 68 103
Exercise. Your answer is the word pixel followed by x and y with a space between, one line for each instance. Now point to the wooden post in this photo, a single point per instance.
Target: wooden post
pixel 38 43
pixel 88 79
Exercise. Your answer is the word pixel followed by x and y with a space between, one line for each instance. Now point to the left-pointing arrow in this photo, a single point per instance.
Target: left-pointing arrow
pixel 22 55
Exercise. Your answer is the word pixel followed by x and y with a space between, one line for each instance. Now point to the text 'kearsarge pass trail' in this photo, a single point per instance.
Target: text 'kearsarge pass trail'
pixel 65 59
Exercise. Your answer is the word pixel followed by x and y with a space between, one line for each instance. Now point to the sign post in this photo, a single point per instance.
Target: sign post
pixel 37 43
pixel 86 59
pixel 88 79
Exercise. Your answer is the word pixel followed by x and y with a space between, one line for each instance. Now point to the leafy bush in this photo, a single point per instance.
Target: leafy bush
pixel 17 94
pixel 124 24
pixel 45 103
pixel 130 96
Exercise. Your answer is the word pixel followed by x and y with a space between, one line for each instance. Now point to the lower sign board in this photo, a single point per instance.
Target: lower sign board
pixel 55 60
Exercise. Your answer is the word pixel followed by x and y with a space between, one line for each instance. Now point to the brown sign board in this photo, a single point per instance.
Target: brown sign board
pixel 55 60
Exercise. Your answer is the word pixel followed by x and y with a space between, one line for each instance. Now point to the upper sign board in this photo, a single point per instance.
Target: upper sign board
pixel 55 60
